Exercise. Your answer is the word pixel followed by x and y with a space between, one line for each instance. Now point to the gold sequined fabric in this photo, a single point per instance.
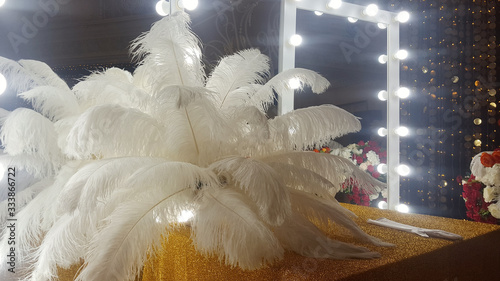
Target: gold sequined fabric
pixel 477 257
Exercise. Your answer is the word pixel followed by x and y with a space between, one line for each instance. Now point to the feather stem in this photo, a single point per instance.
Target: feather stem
pixel 192 132
pixel 145 213
pixel 178 66
pixel 231 210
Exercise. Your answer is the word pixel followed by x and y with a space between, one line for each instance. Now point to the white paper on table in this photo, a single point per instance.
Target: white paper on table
pixel 424 232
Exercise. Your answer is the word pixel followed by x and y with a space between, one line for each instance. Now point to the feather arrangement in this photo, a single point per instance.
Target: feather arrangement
pixel 121 158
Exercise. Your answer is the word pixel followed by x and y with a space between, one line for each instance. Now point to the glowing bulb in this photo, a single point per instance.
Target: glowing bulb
pixel 334 4
pixel 185 216
pixel 188 4
pixel 371 10
pixel 382 95
pixel 294 83
pixel 382 168
pixel 382 25
pixel 402 208
pixel 401 54
pixel 353 20
pixel 403 170
pixel 403 16
pixel 295 40
pixel 382 205
pixel 162 8
pixel 318 13
pixel 402 131
pixel 382 59
pixel 2 2
pixel 403 93
pixel 3 83
pixel 382 132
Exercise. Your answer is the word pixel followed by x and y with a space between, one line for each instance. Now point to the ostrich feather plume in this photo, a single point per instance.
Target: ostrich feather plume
pixel 120 158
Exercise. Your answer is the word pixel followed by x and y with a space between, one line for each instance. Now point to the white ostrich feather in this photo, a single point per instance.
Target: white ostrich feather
pixel 260 183
pixel 298 128
pixel 119 249
pixel 170 53
pixel 99 133
pixel 112 86
pixel 299 178
pixel 196 130
pixel 60 248
pixel 301 236
pixel 43 72
pixel 22 199
pixel 26 132
pixel 329 210
pixel 225 225
pixel 54 103
pixel 280 84
pixel 27 74
pixel 335 169
pixel 239 70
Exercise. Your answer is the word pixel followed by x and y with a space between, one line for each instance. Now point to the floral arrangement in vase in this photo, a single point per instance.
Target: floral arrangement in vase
pixel 481 191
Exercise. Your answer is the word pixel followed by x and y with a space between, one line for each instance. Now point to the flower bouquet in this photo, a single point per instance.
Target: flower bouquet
pixel 481 191
pixel 367 155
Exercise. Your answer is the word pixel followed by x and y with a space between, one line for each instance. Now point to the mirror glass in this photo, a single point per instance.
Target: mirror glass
pixel 345 53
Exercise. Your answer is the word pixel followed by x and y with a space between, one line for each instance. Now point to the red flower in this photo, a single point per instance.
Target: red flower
pixel 315 150
pixel 373 143
pixel 370 168
pixel 361 143
pixel 376 174
pixel 459 179
pixel 496 156
pixel 359 159
pixel 487 160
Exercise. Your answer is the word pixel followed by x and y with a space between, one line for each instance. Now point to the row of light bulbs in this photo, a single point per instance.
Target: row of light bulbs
pixel 163 6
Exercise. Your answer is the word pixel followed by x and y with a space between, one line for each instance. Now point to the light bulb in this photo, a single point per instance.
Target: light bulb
pixel 382 59
pixel 382 25
pixel 295 40
pixel 318 13
pixel 371 10
pixel 2 2
pixel 402 131
pixel 162 8
pixel 382 95
pixel 403 93
pixel 185 216
pixel 382 168
pixel 188 4
pixel 401 55
pixel 403 16
pixel 353 20
pixel 403 170
pixel 402 208
pixel 382 205
pixel 334 4
pixel 3 84
pixel 294 83
pixel 382 132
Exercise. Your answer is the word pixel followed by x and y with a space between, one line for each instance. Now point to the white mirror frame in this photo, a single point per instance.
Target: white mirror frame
pixel 287 61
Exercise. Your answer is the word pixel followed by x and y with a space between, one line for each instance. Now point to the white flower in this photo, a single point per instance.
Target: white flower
pixel 346 153
pixel 495 210
pixel 373 196
pixel 373 157
pixel 491 193
pixel 363 166
pixel 352 146
pixel 491 175
pixel 384 192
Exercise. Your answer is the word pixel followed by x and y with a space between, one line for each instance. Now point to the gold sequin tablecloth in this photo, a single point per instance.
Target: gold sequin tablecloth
pixel 477 257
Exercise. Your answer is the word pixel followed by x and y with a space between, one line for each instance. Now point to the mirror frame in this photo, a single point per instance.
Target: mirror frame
pixel 288 21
